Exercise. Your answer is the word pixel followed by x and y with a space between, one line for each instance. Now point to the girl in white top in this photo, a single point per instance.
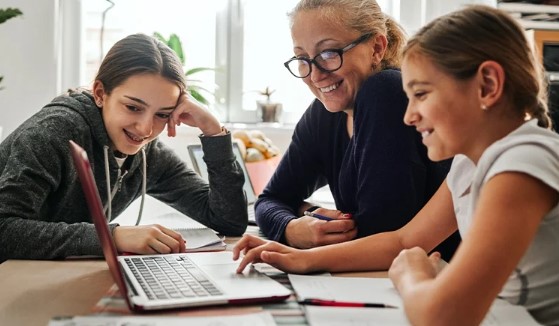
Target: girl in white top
pixel 475 92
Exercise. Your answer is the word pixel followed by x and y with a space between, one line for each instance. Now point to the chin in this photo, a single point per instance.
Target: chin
pixel 435 157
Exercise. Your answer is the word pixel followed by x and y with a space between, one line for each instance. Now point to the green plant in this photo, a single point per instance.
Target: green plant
pixel 194 86
pixel 6 14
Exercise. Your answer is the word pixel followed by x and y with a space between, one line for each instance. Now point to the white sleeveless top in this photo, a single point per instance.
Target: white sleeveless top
pixel 534 151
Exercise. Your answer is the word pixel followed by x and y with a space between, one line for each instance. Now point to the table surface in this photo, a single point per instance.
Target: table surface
pixel 34 291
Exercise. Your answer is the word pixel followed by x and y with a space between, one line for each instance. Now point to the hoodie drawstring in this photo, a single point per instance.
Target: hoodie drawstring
pixel 111 194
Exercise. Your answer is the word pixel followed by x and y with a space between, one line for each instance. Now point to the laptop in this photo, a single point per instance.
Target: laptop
pixel 197 157
pixel 167 281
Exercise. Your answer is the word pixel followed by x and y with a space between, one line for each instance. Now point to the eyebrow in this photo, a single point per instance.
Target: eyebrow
pixel 317 45
pixel 416 82
pixel 135 99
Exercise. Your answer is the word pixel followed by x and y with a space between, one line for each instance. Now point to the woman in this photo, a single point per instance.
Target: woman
pixel 139 89
pixel 351 137
pixel 476 93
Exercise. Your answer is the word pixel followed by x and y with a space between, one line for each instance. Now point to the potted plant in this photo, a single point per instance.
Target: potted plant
pixel 195 87
pixel 6 14
pixel 267 110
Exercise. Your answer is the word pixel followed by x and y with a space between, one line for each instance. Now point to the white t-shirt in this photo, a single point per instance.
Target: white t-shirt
pixel 534 151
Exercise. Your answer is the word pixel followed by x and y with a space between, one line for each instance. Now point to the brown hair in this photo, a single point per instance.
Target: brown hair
pixel 364 16
pixel 139 54
pixel 459 42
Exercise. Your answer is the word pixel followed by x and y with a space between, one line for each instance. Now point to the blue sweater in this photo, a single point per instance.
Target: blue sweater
pixel 381 175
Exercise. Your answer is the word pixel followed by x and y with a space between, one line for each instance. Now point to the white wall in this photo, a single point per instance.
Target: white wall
pixel 28 60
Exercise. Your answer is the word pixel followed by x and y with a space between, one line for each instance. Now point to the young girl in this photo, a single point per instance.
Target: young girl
pixel 475 93
pixel 139 89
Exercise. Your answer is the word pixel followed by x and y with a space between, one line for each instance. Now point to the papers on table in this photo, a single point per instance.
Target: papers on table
pixel 378 290
pixel 253 319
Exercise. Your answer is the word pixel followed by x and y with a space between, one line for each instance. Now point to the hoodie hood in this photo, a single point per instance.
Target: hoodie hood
pixel 82 102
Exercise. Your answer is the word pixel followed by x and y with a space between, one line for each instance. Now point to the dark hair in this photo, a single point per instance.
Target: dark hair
pixel 458 43
pixel 364 16
pixel 139 54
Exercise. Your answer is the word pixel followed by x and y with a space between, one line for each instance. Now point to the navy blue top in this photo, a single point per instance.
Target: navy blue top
pixel 381 175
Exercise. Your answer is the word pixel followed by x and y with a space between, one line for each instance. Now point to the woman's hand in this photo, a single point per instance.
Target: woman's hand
pixel 412 266
pixel 282 257
pixel 148 239
pixel 308 232
pixel 192 113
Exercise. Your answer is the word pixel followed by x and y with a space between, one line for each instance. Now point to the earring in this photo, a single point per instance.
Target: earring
pixel 484 107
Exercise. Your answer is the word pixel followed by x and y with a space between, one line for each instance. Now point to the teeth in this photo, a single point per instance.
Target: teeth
pixel 138 139
pixel 329 88
pixel 425 133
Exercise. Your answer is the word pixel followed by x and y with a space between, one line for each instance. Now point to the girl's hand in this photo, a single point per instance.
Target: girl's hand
pixel 412 266
pixel 282 257
pixel 192 113
pixel 148 239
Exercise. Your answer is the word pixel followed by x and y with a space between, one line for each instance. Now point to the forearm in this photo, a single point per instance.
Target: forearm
pixel 272 216
pixel 375 252
pixel 28 239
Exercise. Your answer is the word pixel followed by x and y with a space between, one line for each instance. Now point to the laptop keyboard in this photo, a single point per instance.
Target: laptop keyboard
pixel 171 277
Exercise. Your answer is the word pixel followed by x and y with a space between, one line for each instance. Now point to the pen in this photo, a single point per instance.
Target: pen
pixel 318 216
pixel 333 303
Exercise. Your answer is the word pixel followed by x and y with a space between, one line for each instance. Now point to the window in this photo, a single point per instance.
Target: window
pixel 246 41
pixel 193 22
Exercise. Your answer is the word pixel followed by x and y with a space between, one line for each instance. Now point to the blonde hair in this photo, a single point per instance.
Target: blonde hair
pixel 459 42
pixel 364 16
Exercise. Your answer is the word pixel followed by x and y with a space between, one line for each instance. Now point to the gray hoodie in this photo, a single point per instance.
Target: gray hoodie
pixel 43 213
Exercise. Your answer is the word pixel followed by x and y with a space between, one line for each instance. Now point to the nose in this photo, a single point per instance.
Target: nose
pixel 144 126
pixel 317 74
pixel 411 117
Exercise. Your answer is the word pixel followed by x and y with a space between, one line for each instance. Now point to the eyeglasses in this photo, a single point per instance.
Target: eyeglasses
pixel 326 61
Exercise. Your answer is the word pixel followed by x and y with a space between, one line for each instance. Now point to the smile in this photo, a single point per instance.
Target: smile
pixel 135 138
pixel 330 88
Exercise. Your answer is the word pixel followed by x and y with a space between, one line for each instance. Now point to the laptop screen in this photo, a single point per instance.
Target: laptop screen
pixel 196 155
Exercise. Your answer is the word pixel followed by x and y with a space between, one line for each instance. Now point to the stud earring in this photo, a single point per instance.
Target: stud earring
pixel 484 107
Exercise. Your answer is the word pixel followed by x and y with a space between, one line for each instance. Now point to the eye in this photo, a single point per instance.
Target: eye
pixel 132 108
pixel 164 116
pixel 420 94
pixel 327 55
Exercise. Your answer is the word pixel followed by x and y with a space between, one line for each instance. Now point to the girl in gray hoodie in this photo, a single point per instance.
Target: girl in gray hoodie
pixel 138 91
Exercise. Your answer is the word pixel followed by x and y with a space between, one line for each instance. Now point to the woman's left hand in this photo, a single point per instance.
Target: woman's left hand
pixel 413 265
pixel 192 113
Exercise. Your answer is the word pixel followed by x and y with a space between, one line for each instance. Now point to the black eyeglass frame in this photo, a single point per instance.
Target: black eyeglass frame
pixel 340 53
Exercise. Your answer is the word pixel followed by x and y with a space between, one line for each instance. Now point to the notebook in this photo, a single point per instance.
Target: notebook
pixel 197 157
pixel 156 282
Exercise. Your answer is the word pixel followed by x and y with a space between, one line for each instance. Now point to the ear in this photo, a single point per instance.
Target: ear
pixel 98 93
pixel 492 81
pixel 379 44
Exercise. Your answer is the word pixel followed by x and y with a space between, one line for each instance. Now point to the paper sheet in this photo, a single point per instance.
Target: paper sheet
pixel 378 290
pixel 254 319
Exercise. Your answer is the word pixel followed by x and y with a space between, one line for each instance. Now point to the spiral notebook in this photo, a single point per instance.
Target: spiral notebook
pixel 198 236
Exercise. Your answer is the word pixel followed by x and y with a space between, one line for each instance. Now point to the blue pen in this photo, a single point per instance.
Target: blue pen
pixel 318 216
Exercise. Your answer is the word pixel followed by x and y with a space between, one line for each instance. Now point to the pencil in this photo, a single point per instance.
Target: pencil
pixel 334 303
pixel 318 216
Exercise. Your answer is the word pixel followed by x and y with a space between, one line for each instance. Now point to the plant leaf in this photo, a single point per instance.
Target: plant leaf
pixel 176 45
pixel 9 13
pixel 199 97
pixel 199 69
pixel 160 37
